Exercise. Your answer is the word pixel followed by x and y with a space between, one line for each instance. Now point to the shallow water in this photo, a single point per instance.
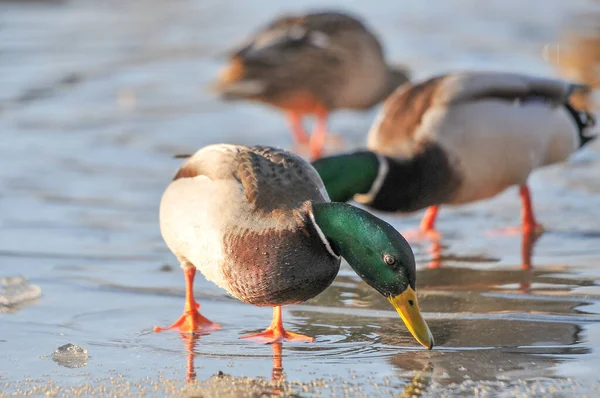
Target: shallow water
pixel 96 98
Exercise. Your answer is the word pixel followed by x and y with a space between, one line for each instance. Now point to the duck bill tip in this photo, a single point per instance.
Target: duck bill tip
pixel 407 306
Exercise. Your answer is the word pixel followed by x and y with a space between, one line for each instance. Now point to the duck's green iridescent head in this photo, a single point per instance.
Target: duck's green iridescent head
pixel 349 174
pixel 379 255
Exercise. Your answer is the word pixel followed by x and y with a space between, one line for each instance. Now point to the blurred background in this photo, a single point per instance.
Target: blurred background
pixel 97 96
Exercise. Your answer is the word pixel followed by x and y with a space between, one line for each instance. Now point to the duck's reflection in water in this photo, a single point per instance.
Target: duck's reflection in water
pixel 527 243
pixel 419 383
pixel 277 372
pixel 447 290
pixel 528 240
pixel 488 350
pixel 488 324
pixel 415 386
pixel 437 248
pixel 485 325
pixel 191 342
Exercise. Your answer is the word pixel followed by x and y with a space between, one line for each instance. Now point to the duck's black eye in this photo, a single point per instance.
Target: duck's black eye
pixel 389 260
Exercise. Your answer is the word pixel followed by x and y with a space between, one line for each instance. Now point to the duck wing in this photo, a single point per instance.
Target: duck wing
pixel 269 178
pixel 472 86
pixel 405 109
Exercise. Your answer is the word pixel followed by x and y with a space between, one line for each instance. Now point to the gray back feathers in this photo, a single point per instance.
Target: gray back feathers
pixel 271 179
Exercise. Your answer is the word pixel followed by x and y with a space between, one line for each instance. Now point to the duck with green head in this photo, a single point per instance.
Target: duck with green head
pixel 460 138
pixel 257 222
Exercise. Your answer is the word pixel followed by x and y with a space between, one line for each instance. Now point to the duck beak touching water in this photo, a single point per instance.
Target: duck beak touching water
pixel 379 255
pixel 257 221
pixel 408 307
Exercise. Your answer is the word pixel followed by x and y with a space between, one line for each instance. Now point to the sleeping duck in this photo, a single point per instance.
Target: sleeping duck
pixel 257 222
pixel 459 138
pixel 309 65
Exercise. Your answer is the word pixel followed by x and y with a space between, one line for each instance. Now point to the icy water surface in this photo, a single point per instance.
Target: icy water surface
pixel 95 99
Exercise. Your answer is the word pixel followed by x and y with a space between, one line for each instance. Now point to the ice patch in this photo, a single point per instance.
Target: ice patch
pixel 70 356
pixel 15 291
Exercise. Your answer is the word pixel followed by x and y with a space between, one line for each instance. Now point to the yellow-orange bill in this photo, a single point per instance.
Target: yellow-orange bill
pixel 408 307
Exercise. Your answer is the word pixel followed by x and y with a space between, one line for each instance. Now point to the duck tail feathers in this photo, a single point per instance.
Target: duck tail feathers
pixel 585 122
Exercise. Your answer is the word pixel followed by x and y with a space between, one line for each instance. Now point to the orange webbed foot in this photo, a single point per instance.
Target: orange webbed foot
pixel 277 335
pixel 190 322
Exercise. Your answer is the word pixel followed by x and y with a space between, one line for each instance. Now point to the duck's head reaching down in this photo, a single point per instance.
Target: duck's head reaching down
pixel 257 221
pixel 379 255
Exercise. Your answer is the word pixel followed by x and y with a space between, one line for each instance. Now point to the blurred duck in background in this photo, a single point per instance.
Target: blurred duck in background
pixel 460 138
pixel 310 65
pixel 577 56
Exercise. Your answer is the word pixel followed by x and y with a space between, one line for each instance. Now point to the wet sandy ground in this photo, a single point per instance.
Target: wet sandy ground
pixel 95 99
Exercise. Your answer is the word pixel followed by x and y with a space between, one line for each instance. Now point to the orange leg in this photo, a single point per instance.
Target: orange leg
pixel 300 135
pixel 428 222
pixel 317 139
pixel 276 333
pixel 527 243
pixel 191 320
pixel 426 229
pixel 529 223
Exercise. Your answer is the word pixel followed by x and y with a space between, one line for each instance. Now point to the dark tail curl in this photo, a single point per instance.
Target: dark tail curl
pixel 585 121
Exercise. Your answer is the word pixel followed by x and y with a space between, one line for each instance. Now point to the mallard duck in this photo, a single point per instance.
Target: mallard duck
pixel 459 138
pixel 311 64
pixel 257 222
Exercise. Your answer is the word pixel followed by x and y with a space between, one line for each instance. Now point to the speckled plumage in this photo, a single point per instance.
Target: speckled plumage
pixel 242 216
